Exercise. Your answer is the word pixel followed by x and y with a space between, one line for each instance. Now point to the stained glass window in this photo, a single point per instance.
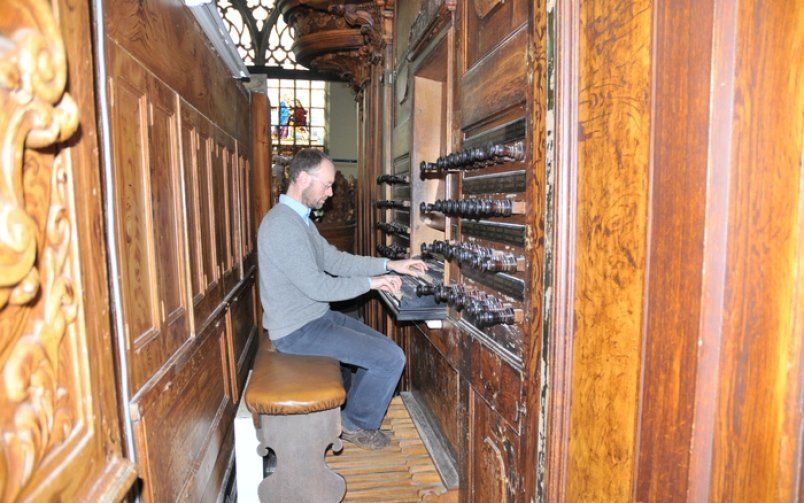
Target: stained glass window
pixel 260 34
pixel 298 114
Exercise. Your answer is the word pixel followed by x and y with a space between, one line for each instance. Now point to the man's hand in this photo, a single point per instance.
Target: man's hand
pixel 411 267
pixel 387 283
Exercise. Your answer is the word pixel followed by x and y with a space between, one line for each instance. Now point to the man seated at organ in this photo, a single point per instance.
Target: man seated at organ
pixel 300 273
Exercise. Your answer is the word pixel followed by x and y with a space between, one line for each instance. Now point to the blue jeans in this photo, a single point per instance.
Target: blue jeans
pixel 379 362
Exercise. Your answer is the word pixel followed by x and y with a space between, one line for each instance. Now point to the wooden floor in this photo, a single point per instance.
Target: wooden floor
pixel 402 472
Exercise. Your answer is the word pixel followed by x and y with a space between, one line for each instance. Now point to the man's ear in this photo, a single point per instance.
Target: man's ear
pixel 303 179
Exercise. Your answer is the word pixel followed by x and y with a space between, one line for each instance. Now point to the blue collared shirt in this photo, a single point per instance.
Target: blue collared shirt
pixel 296 206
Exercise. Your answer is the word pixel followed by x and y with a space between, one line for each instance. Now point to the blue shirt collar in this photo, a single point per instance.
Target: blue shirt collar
pixel 296 206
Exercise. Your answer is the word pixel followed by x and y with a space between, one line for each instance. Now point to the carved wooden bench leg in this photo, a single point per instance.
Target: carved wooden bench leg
pixel 300 442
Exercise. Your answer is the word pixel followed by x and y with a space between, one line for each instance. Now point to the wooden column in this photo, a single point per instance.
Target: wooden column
pixel 261 143
pixel 675 357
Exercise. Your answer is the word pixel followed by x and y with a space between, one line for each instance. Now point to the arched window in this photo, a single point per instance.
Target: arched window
pixel 298 96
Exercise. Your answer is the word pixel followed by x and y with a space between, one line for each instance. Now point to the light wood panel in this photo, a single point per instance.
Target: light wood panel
pixel 613 124
pixel 756 449
pixel 692 391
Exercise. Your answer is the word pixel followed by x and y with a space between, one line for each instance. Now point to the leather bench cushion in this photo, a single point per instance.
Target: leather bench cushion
pixel 290 384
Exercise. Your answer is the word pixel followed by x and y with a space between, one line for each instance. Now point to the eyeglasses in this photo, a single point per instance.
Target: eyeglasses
pixel 326 186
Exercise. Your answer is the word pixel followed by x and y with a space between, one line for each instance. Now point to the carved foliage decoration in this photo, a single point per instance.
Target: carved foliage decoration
pixel 360 32
pixel 39 294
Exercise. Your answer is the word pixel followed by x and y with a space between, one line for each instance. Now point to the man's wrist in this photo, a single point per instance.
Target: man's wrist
pixel 387 269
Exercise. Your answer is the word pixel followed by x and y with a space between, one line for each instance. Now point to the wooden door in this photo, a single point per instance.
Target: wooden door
pixel 59 416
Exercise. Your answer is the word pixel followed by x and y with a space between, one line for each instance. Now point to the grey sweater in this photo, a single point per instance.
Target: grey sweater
pixel 301 273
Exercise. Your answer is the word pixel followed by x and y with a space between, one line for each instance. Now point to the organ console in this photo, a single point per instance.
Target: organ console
pixel 463 189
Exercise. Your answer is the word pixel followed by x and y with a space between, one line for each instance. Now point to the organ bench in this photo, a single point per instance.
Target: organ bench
pixel 295 402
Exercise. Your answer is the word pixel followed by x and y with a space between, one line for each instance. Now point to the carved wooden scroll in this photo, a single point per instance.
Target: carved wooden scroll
pixel 46 409
pixel 342 39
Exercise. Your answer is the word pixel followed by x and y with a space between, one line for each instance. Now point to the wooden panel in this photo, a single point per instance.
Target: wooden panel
pixel 166 39
pixel 233 198
pixel 199 196
pixel 681 93
pixel 261 156
pixel 59 421
pixel 181 420
pixel 435 383
pixel 131 159
pixel 217 167
pixel 494 380
pixel 496 84
pixel 613 153
pixel 484 30
pixel 406 13
pixel 192 157
pixel 757 412
pixel 493 454
pixel 242 335
pixel 168 222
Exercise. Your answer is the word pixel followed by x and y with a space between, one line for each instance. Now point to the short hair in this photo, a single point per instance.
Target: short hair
pixel 308 159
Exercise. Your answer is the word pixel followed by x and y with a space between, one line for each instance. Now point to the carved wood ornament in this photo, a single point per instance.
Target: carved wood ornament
pixel 39 294
pixel 339 38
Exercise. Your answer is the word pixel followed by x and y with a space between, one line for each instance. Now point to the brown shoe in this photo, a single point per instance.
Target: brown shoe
pixel 367 439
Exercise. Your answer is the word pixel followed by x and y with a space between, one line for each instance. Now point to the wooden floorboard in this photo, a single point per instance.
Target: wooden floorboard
pixel 401 473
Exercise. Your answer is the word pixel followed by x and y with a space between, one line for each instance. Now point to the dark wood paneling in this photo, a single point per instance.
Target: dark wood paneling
pixel 677 204
pixel 435 382
pixel 483 34
pixel 181 420
pixel 496 84
pixel 493 456
pixel 495 380
pixel 242 334
pixel 166 39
